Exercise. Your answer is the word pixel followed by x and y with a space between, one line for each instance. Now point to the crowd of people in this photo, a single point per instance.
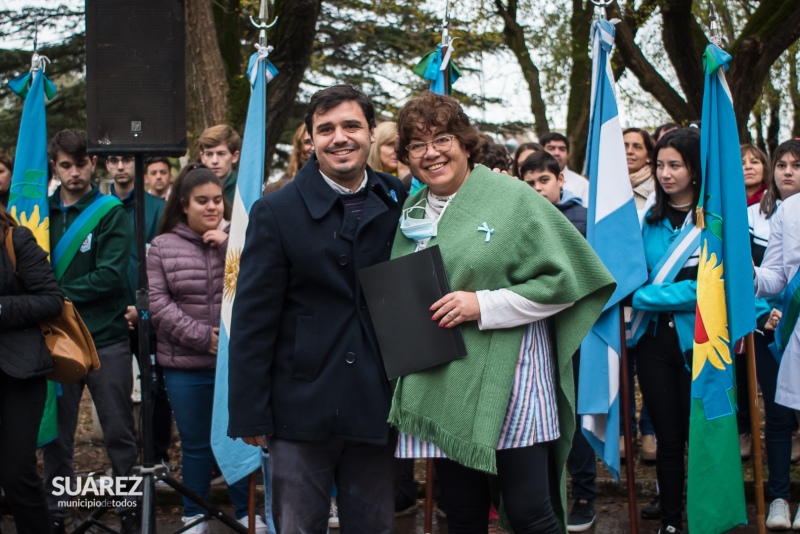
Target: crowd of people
pixel 306 378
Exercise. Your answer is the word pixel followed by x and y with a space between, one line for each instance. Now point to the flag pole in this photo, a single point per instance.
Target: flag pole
pixel 625 387
pixel 262 26
pixel 755 431
pixel 630 476
pixel 429 468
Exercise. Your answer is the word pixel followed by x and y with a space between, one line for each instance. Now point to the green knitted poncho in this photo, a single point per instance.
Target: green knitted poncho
pixel 535 252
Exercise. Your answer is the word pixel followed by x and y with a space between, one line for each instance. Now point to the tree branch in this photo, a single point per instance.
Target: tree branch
pixel 515 39
pixel 684 42
pixel 649 78
pixel 773 27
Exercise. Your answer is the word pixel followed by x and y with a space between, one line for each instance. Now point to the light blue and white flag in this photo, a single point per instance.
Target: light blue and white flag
pixel 613 231
pixel 236 459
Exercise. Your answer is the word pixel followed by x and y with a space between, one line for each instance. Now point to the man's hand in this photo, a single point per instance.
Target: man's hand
pixel 132 316
pixel 255 441
pixel 212 349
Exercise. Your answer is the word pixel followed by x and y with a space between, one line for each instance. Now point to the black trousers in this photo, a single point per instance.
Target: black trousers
pixel 665 379
pixel 21 407
pixel 581 460
pixel 522 475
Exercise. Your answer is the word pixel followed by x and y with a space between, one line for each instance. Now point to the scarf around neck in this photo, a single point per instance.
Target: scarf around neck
pixel 641 176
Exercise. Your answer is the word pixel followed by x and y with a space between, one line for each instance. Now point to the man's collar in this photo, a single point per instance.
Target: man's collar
pixel 342 190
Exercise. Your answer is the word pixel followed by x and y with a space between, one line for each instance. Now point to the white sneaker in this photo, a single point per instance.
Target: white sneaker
pixel 261 527
pixel 796 524
pixel 779 518
pixel 333 519
pixel 200 528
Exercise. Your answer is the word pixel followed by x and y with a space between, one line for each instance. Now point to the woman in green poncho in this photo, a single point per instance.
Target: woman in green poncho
pixel 527 289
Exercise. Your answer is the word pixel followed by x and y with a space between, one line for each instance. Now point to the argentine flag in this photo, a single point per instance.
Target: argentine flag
pixel 612 230
pixel 236 459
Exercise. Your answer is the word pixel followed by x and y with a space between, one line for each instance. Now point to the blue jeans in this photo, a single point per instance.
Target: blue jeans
pixel 779 421
pixel 191 395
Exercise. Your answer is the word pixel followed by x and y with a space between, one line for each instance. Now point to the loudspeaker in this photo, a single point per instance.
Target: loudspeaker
pixel 135 77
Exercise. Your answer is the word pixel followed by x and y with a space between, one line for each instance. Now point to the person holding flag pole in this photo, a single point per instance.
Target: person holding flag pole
pixel 725 312
pixel 28 193
pixel 29 294
pixel 613 232
pixel 235 458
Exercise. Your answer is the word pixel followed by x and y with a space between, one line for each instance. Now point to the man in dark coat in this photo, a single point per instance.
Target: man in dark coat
pixel 306 377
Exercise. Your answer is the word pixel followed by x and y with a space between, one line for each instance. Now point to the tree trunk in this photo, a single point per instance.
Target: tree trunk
pixel 206 86
pixel 760 142
pixel 580 83
pixel 794 90
pixel 515 39
pixel 684 43
pixel 293 39
pixel 773 99
pixel 772 28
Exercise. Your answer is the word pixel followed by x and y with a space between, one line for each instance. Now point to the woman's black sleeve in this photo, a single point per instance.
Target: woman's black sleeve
pixel 40 297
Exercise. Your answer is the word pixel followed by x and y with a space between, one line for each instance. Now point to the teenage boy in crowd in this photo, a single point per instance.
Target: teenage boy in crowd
pixel 219 151
pixel 158 176
pixel 543 172
pixel 92 273
pixel 122 170
pixel 558 147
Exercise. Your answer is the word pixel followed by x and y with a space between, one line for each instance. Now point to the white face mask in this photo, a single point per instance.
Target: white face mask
pixel 419 229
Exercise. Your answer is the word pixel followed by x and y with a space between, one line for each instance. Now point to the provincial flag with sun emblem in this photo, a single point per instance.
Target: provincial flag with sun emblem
pixel 27 199
pixel 725 313
pixel 236 459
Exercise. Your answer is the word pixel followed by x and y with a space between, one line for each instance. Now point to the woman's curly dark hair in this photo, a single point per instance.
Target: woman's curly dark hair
pixel 432 112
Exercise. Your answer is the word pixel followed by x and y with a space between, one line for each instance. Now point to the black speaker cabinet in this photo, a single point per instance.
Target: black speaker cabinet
pixel 135 77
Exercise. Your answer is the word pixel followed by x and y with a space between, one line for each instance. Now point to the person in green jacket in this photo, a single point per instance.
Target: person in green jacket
pixel 219 151
pixel 90 247
pixel 526 289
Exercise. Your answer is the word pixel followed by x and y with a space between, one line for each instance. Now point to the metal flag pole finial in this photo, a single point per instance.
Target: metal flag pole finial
pixel 713 25
pixel 38 62
pixel 446 41
pixel 604 4
pixel 263 15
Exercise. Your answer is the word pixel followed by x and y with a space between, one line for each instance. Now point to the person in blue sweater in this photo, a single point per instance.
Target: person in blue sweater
pixel 541 171
pixel 664 313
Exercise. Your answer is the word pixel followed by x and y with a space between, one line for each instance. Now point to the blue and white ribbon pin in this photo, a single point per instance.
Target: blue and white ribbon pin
pixel 485 228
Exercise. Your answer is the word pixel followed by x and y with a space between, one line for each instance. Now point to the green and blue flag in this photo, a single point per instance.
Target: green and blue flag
pixel 27 199
pixel 725 312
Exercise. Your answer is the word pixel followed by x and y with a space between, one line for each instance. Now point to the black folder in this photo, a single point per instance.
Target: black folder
pixel 399 294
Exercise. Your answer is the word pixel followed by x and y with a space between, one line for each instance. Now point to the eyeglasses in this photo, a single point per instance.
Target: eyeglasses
pixel 440 144
pixel 114 160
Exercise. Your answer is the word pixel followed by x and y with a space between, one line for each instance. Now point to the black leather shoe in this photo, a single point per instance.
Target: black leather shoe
pixel 653 511
pixel 130 523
